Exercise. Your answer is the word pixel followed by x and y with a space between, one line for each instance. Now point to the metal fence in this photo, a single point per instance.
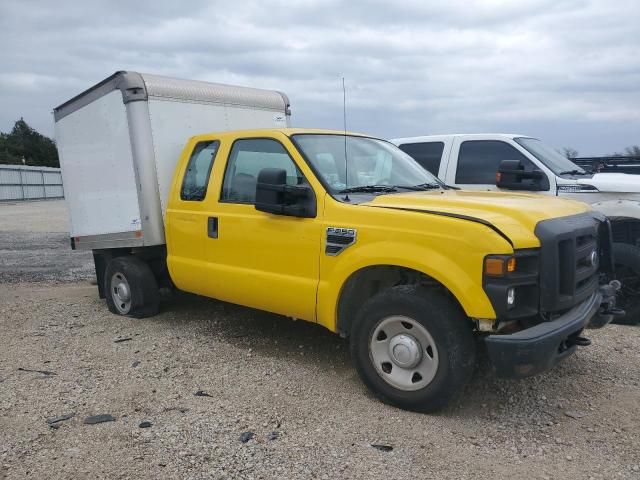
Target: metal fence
pixel 19 182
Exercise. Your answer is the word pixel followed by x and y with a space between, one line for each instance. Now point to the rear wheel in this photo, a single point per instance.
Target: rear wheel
pixel 627 265
pixel 131 288
pixel 413 347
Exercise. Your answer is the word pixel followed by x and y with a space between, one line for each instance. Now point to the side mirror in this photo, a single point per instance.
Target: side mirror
pixel 273 195
pixel 511 175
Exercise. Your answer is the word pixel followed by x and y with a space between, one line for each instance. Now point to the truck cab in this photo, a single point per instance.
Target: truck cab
pixel 372 247
pixel 511 162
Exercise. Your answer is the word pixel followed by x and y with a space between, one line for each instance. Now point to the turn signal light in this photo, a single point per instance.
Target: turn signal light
pixel 498 266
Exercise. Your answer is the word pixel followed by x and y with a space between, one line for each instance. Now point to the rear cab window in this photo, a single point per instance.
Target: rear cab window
pixel 196 176
pixel 478 161
pixel 427 154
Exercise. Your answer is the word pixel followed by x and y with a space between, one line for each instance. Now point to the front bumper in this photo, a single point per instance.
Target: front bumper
pixel 536 349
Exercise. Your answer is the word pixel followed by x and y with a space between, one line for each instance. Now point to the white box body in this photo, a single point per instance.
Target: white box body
pixel 119 143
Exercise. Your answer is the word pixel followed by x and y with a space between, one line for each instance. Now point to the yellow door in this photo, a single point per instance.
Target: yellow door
pixel 187 218
pixel 264 260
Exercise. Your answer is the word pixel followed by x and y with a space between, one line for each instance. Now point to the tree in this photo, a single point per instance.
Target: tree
pixel 633 151
pixel 569 152
pixel 23 142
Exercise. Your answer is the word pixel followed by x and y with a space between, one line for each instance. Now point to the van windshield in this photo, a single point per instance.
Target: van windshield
pixel 372 165
pixel 552 159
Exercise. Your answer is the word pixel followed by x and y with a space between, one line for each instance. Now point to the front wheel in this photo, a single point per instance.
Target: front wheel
pixel 413 347
pixel 627 266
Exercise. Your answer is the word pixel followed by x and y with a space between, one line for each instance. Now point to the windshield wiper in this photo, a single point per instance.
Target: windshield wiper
pixel 370 188
pixel 416 188
pixel 426 186
pixel 433 185
pixel 573 172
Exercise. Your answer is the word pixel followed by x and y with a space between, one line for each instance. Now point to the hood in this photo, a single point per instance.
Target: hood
pixel 514 214
pixel 612 182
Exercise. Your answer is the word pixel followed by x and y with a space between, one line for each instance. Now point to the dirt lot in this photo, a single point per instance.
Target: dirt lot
pixel 290 383
pixel 34 244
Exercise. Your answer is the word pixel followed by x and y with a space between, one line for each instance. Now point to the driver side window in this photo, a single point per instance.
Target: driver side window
pixel 478 161
pixel 247 158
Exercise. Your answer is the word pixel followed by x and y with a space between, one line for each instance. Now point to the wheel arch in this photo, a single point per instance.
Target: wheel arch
pixel 367 281
pixel 154 256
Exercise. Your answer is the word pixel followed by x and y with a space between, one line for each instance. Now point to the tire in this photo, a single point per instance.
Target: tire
pixel 448 360
pixel 140 288
pixel 627 265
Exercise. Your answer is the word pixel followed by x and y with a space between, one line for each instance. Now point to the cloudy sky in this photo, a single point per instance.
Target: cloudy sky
pixel 566 71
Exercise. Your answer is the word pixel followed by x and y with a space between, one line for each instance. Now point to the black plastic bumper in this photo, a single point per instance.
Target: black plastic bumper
pixel 536 349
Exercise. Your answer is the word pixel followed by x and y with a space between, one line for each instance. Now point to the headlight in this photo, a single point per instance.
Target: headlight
pixel 499 265
pixel 577 188
pixel 512 283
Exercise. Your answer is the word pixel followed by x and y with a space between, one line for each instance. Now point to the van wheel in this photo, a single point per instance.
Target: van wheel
pixel 131 288
pixel 627 262
pixel 413 347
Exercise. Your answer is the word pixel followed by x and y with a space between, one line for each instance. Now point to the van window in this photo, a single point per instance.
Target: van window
pixel 478 161
pixel 427 154
pixel 196 178
pixel 246 159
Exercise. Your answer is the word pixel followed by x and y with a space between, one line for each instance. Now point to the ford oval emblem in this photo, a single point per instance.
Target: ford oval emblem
pixel 593 258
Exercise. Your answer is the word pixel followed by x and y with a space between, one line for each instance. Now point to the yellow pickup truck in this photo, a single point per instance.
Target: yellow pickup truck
pixel 347 231
pixel 407 268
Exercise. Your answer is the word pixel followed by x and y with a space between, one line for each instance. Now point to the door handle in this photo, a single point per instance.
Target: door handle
pixel 212 227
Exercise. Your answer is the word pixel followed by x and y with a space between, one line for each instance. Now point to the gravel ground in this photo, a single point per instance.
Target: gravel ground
pixel 289 383
pixel 34 244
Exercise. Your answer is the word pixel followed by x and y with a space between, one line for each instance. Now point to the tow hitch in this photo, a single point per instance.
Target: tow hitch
pixel 608 308
pixel 578 342
pixel 573 341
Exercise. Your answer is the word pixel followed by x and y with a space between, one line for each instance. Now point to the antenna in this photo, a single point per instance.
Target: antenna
pixel 344 119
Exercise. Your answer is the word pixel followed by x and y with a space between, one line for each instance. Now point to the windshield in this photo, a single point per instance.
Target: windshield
pixel 552 159
pixel 371 162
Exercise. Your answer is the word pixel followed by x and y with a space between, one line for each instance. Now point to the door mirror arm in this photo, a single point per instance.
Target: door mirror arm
pixel 292 191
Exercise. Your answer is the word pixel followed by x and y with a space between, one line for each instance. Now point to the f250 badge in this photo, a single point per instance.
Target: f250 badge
pixel 338 239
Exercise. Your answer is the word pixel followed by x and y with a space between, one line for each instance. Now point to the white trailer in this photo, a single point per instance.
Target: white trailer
pixel 119 142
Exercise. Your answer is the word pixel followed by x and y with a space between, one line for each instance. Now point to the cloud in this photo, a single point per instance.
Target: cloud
pixel 566 71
